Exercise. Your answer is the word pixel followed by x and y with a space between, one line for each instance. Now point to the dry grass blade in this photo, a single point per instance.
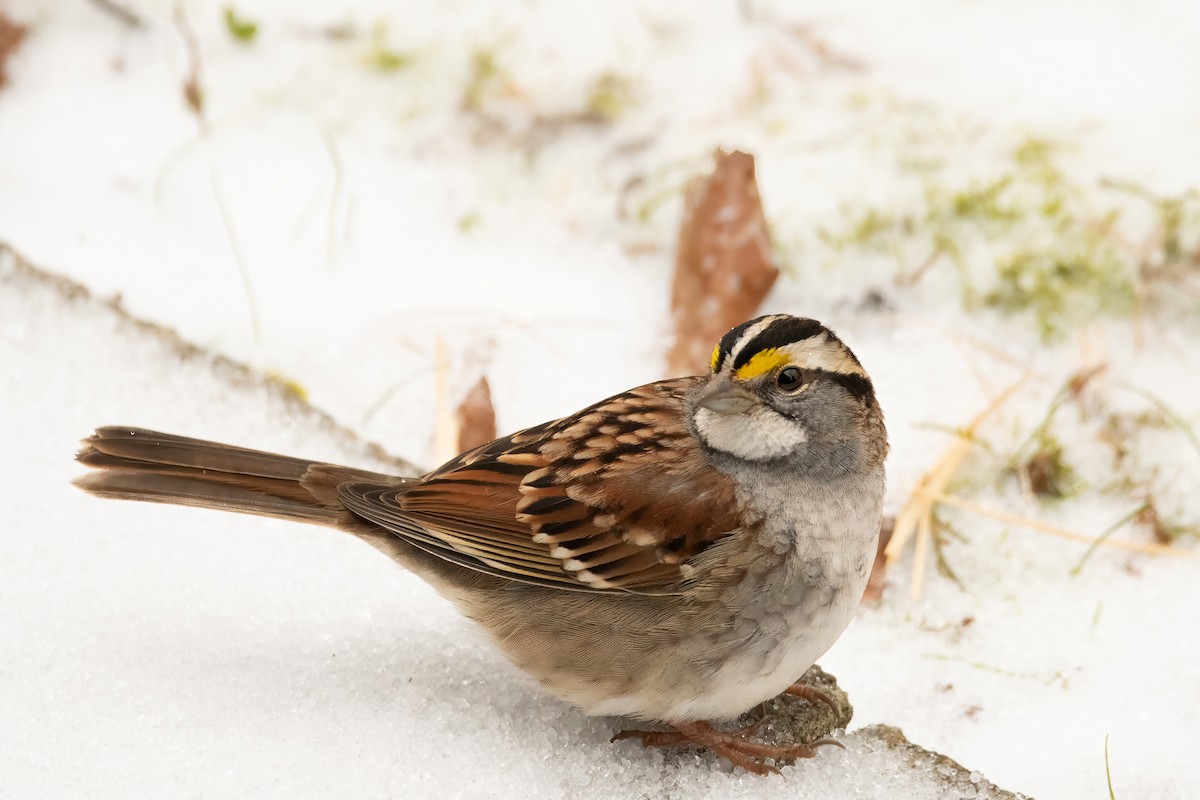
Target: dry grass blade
pixel 445 425
pixel 1148 548
pixel 1108 771
pixel 916 518
pixel 339 181
pixel 238 258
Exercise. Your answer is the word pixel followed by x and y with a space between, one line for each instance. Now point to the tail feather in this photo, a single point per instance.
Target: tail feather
pixel 203 493
pixel 141 445
pixel 138 464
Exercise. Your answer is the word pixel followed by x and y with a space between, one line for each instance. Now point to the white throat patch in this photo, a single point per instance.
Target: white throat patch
pixel 755 435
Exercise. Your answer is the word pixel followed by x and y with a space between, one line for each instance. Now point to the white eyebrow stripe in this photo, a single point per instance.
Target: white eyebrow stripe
pixel 818 352
pixel 750 333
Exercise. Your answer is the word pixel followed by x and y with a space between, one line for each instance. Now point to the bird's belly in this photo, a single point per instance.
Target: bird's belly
pixel 737 641
pixel 759 654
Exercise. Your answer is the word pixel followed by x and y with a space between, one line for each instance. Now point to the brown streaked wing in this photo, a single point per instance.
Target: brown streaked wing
pixel 614 498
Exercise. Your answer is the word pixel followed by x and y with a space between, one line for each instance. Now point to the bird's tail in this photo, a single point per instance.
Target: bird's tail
pixel 137 464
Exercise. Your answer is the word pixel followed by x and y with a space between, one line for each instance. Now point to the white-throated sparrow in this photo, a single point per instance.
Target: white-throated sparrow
pixel 679 553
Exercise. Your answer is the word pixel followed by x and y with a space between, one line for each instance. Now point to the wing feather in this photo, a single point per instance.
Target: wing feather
pixel 614 498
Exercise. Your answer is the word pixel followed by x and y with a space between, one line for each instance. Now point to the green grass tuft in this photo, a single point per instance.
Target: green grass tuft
pixel 240 28
pixel 1112 795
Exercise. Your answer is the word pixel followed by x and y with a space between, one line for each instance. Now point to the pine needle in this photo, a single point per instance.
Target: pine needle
pixel 1103 537
pixel 1108 771
pixel 339 181
pixel 1147 548
pixel 239 259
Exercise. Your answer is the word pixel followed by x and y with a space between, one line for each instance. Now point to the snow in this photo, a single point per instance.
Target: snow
pixel 171 652
pixel 153 650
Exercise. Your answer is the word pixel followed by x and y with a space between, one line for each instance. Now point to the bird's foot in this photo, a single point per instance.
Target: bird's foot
pixel 735 746
pixel 813 695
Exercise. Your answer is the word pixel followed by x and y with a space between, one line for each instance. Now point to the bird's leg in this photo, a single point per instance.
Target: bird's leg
pixel 750 756
pixel 654 738
pixel 674 738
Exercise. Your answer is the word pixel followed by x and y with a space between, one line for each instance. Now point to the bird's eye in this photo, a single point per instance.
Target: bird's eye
pixel 790 379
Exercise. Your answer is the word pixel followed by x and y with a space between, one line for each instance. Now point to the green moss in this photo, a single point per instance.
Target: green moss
pixel 1047 473
pixel 1062 282
pixel 1029 241
pixel 382 57
pixel 469 222
pixel 1179 218
pixel 484 74
pixel 866 228
pixel 1040 462
pixel 609 96
pixel 1178 228
pixel 985 201
pixel 240 28
pixel 1168 261
pixel 1035 152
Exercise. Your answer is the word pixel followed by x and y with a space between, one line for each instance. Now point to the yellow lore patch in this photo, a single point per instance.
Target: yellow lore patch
pixel 763 362
pixel 716 357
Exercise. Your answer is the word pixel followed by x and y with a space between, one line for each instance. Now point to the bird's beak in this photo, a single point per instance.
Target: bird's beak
pixel 725 397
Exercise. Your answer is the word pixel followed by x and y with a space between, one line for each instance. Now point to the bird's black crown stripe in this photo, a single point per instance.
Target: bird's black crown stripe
pixel 779 333
pixel 729 340
pixel 782 332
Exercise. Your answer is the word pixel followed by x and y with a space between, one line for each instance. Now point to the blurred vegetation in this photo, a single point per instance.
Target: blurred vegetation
pixel 483 78
pixel 1029 240
pixel 381 56
pixel 609 96
pixel 1148 464
pixel 240 28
